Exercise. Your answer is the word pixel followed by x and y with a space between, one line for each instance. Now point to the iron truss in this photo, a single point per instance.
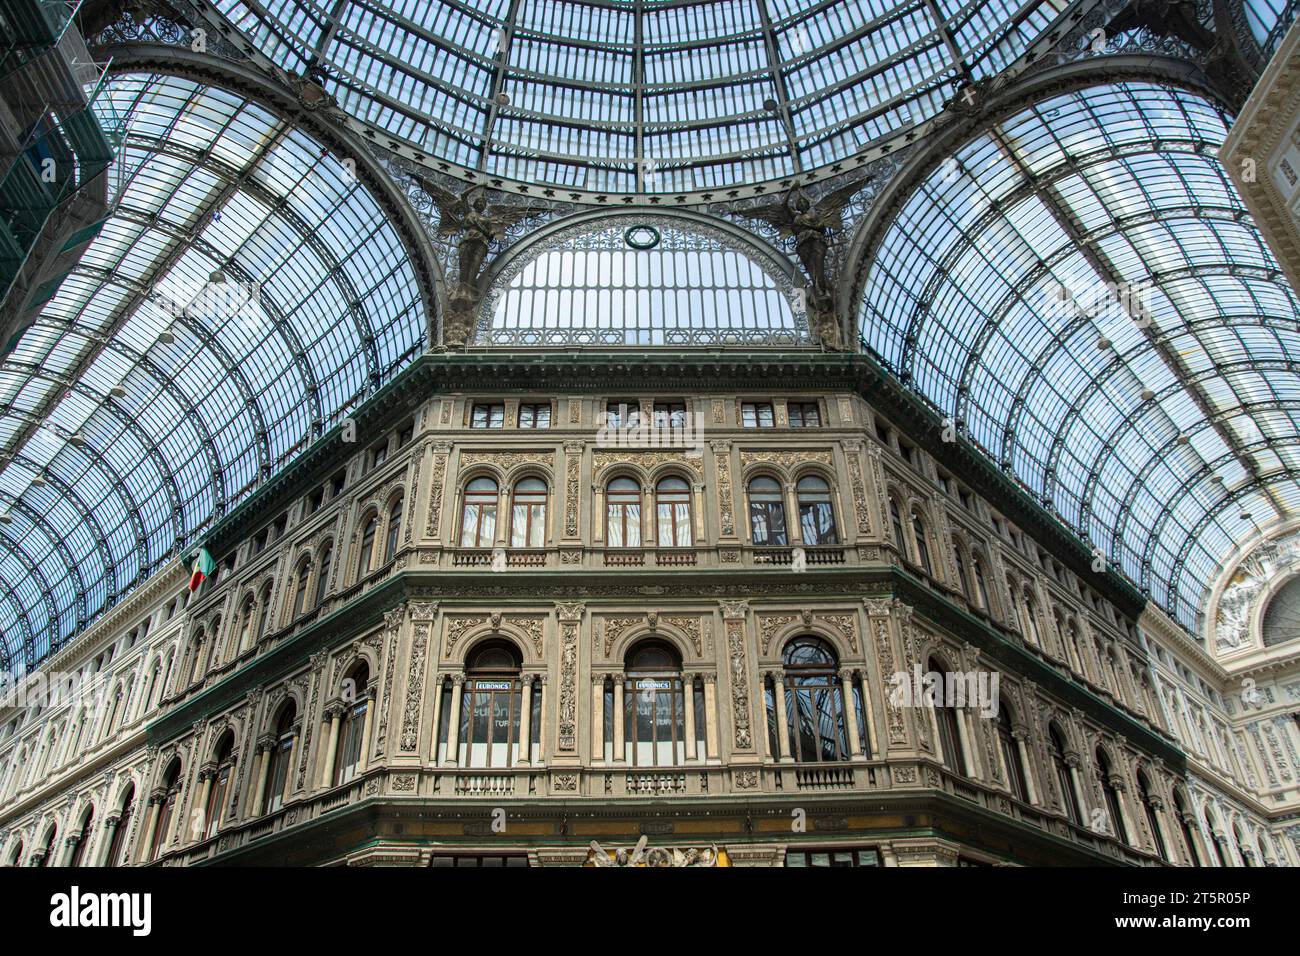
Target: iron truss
pixel 1080 287
pixel 246 290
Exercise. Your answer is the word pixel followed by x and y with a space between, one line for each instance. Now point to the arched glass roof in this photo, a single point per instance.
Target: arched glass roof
pixel 1081 289
pixel 651 96
pixel 638 284
pixel 246 289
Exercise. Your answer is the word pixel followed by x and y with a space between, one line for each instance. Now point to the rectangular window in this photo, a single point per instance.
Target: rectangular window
pixel 832 857
pixel 488 415
pixel 405 435
pixel 805 415
pixel 535 415
pixel 670 415
pixel 378 455
pixel 756 415
pixel 622 414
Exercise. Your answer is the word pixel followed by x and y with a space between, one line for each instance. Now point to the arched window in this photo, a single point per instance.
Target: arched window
pixel 1153 819
pixel 196 661
pixel 352 734
pixel 963 579
pixel 1056 749
pixel 767 513
pixel 654 707
pixel 945 718
pixel 1029 619
pixel 896 524
pixel 82 837
pixel 223 756
pixel 478 517
pixel 490 707
pixel 122 830
pixel 1111 796
pixel 171 788
pixel 300 588
pixel 1011 755
pixel 265 617
pixel 1185 820
pixel 528 514
pixel 47 855
pixel 623 513
pixel 323 572
pixel 115 712
pixel 816 514
pixel 366 556
pixel 277 775
pixel 394 530
pixel 673 513
pixel 922 546
pixel 815 711
pixel 246 619
pixel 17 855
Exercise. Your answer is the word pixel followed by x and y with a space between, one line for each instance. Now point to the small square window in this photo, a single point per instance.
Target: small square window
pixel 488 415
pixel 756 415
pixel 805 415
pixel 535 415
pixel 622 414
pixel 670 414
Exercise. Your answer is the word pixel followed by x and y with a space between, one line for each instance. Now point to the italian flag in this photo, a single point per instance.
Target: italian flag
pixel 203 566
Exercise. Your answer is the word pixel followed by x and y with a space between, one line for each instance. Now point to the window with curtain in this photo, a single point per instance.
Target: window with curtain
pixel 673 513
pixel 528 514
pixel 767 512
pixel 347 762
pixel 265 617
pixel 246 624
pixel 478 516
pixel 623 513
pixel 816 513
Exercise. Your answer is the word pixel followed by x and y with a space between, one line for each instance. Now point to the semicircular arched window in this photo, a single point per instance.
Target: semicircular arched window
pixel 809 720
pixel 594 288
pixel 1281 621
pixel 767 513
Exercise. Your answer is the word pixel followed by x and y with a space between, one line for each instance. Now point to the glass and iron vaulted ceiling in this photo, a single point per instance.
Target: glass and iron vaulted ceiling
pixel 246 289
pixel 642 96
pixel 1081 289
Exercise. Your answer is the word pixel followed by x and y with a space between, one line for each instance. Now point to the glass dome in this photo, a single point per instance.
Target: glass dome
pixel 643 96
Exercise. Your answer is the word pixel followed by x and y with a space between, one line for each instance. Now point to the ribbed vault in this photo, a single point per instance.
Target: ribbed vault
pixel 246 291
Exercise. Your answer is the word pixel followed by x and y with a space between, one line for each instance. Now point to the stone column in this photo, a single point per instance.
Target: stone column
pixel 106 841
pixel 334 714
pixel 710 714
pixel 869 716
pixel 1021 735
pixel 71 844
pixel 618 718
pixel 206 776
pixel 264 747
pixel 782 720
pixel 598 718
pixel 453 722
pixel 367 724
pixel 688 705
pixel 525 721
pixel 850 712
pixel 1072 761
